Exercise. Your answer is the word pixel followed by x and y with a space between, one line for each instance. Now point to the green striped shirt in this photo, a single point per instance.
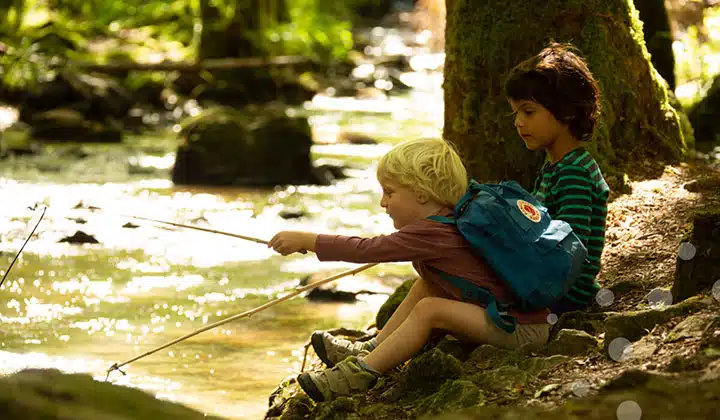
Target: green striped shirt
pixel 574 190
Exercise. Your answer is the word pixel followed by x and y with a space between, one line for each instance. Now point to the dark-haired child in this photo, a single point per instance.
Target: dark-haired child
pixel 555 100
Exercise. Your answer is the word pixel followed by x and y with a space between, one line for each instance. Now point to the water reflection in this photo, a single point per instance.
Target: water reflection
pixel 82 308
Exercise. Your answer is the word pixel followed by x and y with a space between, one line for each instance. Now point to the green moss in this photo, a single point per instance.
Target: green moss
pixel 427 372
pixel 658 398
pixel 453 395
pixel 51 394
pixel 388 308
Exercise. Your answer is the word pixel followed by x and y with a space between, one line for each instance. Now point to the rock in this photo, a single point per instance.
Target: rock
pixel 16 140
pixel 335 167
pixel 94 96
pixel 572 343
pixel 487 357
pixel 331 295
pixel 288 401
pixel 461 350
pixel 592 323
pixel 355 138
pixel 80 237
pixel 339 408
pixel 703 184
pixel 339 291
pixel 697 273
pixel 292 214
pixel 643 349
pixel 633 325
pixel 427 372
pixel 51 394
pixel 691 327
pixel 101 96
pixel 711 335
pixel 658 397
pixel 683 363
pixel 130 225
pixel 628 379
pixel 453 395
pixel 65 124
pixel 223 146
pixel 501 379
pixel 712 373
pixel 387 308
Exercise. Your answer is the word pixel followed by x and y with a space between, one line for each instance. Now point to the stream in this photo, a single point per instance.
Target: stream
pixel 81 308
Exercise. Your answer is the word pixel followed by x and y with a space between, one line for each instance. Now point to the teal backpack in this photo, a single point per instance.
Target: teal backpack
pixel 537 257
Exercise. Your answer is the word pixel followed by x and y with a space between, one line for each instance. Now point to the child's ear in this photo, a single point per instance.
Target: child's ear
pixel 422 198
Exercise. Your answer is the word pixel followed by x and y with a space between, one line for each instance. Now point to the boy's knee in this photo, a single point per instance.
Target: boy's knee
pixel 427 308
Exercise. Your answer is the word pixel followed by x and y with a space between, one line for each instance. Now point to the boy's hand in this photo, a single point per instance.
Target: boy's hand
pixel 288 242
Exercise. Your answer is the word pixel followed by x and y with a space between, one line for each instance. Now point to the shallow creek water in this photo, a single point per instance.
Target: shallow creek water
pixel 81 308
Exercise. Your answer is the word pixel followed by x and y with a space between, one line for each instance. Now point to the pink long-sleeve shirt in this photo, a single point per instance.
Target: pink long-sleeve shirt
pixel 426 243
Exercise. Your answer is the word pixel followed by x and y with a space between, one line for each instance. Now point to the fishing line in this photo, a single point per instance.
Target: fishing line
pixel 117 366
pixel 25 243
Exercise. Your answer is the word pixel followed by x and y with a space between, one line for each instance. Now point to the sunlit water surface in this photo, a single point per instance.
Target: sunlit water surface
pixel 81 308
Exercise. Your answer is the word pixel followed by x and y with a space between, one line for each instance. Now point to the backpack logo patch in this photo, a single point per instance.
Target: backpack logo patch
pixel 529 211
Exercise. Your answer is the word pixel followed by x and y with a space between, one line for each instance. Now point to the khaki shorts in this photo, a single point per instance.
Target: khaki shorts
pixel 536 335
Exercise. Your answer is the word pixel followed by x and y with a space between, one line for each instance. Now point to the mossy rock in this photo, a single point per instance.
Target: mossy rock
pixel 427 372
pixel 502 379
pixel 657 396
pixel 392 302
pixel 487 357
pixel 700 272
pixel 711 335
pixel 224 146
pixel 337 409
pixel 297 408
pixel 572 343
pixel 592 323
pixel 69 125
pixel 461 350
pixel 50 394
pixel 634 325
pixel 690 327
pixel 483 44
pixel 17 140
pixel 453 395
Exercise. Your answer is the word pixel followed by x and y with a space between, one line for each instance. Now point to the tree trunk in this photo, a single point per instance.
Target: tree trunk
pixel 704 117
pixel 483 42
pixel 235 38
pixel 231 39
pixel 658 37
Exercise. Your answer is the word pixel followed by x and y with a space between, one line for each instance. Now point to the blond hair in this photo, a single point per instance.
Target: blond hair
pixel 427 166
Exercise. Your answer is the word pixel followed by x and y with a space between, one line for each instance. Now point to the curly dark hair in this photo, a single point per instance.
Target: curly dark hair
pixel 559 79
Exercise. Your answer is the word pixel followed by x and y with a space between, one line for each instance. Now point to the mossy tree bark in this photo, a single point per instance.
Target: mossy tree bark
pixel 483 42
pixel 658 37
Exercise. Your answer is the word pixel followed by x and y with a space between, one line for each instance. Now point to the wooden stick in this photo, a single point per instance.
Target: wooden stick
pixel 242 315
pixel 219 232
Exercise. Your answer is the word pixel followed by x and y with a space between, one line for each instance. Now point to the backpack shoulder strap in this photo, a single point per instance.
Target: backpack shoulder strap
pixel 443 219
pixel 474 292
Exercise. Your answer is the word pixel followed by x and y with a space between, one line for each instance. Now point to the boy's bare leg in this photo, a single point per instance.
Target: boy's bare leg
pixel 463 320
pixel 419 290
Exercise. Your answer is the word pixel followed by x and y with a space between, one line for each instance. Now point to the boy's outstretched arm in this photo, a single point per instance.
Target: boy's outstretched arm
pixel 288 242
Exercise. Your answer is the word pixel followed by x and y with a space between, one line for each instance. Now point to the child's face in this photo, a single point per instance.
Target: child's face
pixel 537 126
pixel 402 204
